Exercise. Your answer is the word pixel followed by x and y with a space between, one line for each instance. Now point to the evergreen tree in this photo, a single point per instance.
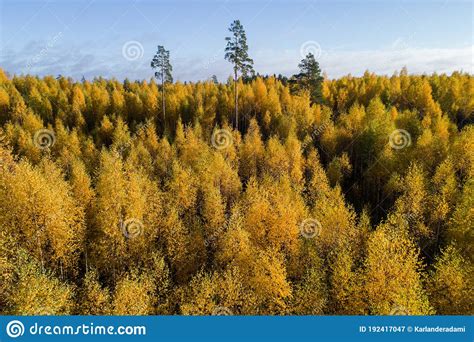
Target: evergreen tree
pixel 310 78
pixel 161 61
pixel 236 52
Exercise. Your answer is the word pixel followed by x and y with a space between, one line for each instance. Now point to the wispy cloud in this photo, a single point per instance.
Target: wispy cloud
pixel 77 62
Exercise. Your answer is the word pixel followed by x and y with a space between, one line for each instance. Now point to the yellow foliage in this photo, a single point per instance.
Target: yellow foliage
pixel 147 213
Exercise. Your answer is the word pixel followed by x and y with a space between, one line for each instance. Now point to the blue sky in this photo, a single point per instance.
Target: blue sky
pixel 118 38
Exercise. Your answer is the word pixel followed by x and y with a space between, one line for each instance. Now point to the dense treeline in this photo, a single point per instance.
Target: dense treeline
pixel 359 204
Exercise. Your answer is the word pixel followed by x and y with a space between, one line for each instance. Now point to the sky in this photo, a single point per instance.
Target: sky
pixel 117 39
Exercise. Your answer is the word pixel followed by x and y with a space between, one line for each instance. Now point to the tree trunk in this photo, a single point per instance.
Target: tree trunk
pixel 163 104
pixel 236 100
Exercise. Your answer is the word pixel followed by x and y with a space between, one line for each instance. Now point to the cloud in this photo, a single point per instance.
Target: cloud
pixel 337 63
pixel 417 60
pixel 76 62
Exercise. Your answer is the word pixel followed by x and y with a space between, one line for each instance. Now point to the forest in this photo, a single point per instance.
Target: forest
pixel 357 201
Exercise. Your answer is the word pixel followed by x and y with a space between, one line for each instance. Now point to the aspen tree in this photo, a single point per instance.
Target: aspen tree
pixel 393 278
pixel 450 283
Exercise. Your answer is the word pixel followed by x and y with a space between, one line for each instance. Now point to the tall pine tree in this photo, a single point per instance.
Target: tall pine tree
pixel 236 52
pixel 161 61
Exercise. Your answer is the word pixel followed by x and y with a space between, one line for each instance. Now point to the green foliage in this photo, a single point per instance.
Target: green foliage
pixel 310 78
pixel 161 61
pixel 236 50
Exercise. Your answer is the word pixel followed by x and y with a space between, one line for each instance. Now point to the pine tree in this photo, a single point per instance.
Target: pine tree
pixel 310 78
pixel 161 61
pixel 236 52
